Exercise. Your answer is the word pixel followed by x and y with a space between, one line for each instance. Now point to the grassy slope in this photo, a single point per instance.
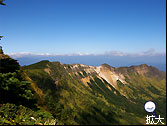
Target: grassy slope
pixel 141 89
pixel 72 102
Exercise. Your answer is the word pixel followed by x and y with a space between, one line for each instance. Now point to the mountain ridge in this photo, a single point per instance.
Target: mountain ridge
pixel 125 90
pixel 109 73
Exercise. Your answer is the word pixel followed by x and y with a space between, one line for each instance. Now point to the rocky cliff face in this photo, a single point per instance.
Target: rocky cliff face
pixel 112 75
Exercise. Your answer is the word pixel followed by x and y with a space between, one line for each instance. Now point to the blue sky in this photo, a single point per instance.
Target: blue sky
pixel 83 26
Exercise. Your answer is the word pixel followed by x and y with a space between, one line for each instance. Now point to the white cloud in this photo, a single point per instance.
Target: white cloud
pixel 150 52
pixel 25 54
pixel 115 53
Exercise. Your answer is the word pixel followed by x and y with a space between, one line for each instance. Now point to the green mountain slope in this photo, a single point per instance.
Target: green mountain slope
pixel 81 94
pixel 20 99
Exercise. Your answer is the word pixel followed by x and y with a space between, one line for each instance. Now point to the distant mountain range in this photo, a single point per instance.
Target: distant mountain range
pixel 116 61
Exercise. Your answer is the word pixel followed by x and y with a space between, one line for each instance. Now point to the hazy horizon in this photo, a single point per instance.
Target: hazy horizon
pixel 115 59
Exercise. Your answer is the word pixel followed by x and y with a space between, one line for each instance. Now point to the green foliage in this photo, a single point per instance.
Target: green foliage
pixel 15 89
pixel 69 67
pixel 120 84
pixel 8 64
pixel 1 51
pixel 84 73
pixel 42 79
pixel 141 89
pixel 10 114
pixel 1 2
pixel 80 74
pixel 18 105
